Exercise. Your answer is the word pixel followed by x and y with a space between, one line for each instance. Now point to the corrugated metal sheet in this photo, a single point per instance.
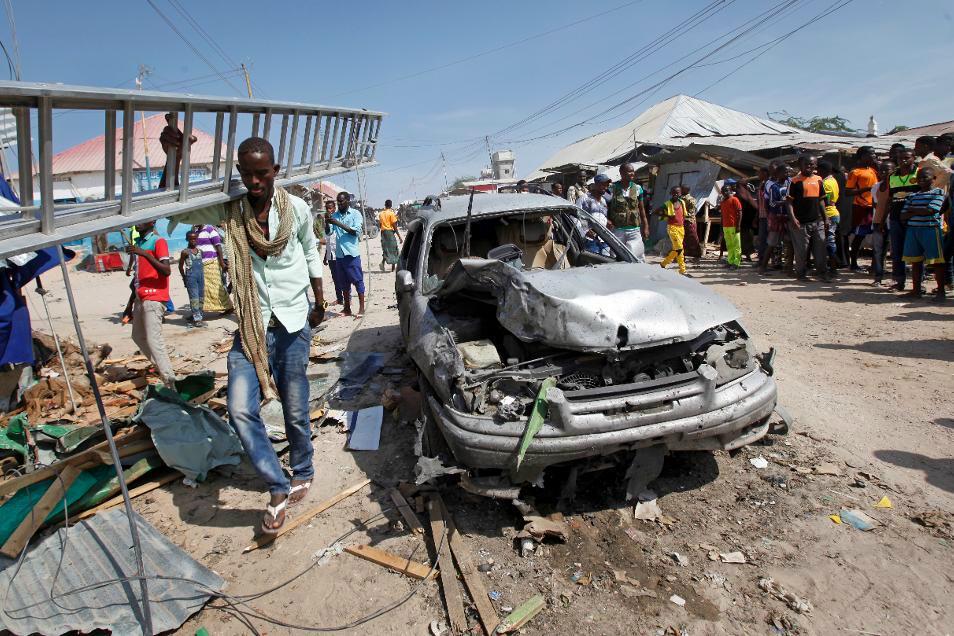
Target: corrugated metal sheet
pixel 931 129
pixel 680 121
pixel 90 156
pixel 98 549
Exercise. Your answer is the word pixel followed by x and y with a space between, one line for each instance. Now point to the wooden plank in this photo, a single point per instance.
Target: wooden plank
pixel 522 615
pixel 450 587
pixel 723 165
pixel 126 360
pixel 126 386
pixel 400 565
pixel 86 459
pixel 405 509
pixel 133 493
pixel 205 397
pixel 305 517
pixel 470 574
pixel 35 519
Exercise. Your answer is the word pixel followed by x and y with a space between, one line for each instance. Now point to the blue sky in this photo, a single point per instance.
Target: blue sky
pixel 880 57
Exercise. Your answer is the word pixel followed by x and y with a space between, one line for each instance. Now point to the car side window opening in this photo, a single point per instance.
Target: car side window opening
pixel 411 253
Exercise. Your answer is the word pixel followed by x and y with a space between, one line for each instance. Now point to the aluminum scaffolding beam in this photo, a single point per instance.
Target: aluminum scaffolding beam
pixel 334 140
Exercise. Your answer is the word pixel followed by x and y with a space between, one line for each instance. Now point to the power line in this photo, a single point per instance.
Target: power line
pixel 755 22
pixel 739 33
pixel 779 8
pixel 8 8
pixel 640 54
pixel 837 6
pixel 209 39
pixel 486 52
pixel 191 46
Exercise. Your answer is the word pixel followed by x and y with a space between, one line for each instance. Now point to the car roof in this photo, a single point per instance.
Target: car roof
pixel 454 208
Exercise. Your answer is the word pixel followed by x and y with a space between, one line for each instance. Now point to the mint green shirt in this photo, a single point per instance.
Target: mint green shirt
pixel 282 280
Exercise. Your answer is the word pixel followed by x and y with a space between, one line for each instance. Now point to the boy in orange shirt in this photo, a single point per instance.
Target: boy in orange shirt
pixel 859 183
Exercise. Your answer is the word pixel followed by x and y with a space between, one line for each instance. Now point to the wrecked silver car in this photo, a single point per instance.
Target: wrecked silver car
pixel 504 310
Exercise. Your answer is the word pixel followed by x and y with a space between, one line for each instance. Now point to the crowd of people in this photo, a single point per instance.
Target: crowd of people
pixel 813 220
pixel 822 218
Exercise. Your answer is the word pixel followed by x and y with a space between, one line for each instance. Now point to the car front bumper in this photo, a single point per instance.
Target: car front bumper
pixel 686 412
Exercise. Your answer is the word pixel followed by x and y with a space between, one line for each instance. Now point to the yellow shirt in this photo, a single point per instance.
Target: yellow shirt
pixel 831 196
pixel 387 219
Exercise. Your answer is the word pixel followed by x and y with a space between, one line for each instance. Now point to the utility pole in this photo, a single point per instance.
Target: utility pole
pixel 248 81
pixel 144 71
pixel 444 164
pixel 490 155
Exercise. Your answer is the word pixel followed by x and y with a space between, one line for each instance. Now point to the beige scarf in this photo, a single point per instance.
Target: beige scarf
pixel 243 235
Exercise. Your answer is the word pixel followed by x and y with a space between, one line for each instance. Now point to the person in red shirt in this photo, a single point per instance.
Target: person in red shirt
pixel 731 209
pixel 152 293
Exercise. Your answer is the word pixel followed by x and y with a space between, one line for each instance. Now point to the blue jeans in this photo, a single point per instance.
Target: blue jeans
pixel 831 236
pixel 288 358
pixel 195 285
pixel 896 232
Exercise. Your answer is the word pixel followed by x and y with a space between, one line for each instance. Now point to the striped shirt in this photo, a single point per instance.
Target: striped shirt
pixel 209 238
pixel 931 202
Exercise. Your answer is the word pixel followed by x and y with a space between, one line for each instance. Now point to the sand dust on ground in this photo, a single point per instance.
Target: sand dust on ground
pixel 866 375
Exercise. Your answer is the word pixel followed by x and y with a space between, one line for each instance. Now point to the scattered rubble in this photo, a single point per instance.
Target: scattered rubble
pixel 794 602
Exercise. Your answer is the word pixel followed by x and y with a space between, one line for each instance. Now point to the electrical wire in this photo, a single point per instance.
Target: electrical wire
pixel 759 21
pixel 192 46
pixel 178 6
pixel 11 67
pixel 637 56
pixel 490 51
pixel 232 602
pixel 661 83
pixel 8 8
pixel 837 6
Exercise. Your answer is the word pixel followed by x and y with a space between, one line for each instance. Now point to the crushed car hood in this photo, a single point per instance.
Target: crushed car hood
pixel 595 308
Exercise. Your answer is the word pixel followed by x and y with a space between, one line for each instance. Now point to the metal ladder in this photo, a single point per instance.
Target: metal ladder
pixel 314 142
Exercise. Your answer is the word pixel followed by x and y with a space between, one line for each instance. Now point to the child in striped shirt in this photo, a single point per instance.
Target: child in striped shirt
pixel 922 242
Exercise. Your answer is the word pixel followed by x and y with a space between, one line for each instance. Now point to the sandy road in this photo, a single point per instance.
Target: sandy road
pixel 867 375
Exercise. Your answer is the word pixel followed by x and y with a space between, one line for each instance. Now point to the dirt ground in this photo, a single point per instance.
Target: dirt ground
pixel 867 377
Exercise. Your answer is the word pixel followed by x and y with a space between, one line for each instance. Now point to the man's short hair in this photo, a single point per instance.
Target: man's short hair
pixel 824 166
pixel 344 193
pixel 257 145
pixel 926 140
pixel 387 203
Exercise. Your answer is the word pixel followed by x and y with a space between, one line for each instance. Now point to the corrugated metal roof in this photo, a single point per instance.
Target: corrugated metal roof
pixel 931 129
pixel 681 121
pixel 90 156
pixel 99 549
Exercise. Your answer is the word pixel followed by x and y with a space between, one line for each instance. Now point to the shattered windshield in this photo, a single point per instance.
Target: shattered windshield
pixel 526 240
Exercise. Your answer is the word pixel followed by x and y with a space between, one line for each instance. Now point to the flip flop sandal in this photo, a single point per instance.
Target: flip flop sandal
pixel 300 487
pixel 274 511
